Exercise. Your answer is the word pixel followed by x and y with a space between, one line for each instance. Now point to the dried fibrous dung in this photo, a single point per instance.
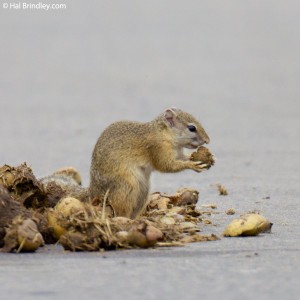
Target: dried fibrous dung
pixel 90 230
pixel 77 241
pixel 157 201
pixel 193 212
pixel 106 234
pixel 212 205
pixel 43 226
pixel 206 221
pixel 168 220
pixel 182 197
pixel 6 176
pixel 230 211
pixel 78 192
pixel 11 209
pixel 180 210
pixel 25 188
pixel 29 238
pixel 53 193
pixel 248 225
pixel 199 238
pixel 23 185
pixel 204 155
pixel 22 235
pixel 81 226
pixel 222 190
pixel 189 227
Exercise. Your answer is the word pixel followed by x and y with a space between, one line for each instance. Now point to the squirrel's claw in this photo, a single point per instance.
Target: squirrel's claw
pixel 198 166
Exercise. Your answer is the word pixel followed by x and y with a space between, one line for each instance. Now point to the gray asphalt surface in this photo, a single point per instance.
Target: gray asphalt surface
pixel 66 74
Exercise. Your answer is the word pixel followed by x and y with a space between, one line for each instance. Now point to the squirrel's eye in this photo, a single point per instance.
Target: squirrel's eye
pixel 192 128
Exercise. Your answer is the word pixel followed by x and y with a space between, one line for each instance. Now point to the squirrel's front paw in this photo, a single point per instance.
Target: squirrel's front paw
pixel 198 166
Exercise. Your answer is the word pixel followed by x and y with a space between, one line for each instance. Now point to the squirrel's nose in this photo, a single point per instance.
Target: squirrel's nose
pixel 206 140
pixel 203 140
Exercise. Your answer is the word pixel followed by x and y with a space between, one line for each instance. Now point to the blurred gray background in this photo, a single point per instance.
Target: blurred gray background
pixel 67 74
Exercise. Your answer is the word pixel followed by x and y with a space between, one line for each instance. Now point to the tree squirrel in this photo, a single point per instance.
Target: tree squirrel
pixel 127 152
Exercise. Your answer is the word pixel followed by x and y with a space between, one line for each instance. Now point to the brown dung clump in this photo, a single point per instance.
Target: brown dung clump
pixel 204 155
pixel 11 210
pixel 163 224
pixel 222 190
pixel 25 188
pixel 22 235
pixel 37 211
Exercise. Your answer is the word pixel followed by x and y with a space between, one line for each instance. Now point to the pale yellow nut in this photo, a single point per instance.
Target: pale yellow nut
pixel 247 225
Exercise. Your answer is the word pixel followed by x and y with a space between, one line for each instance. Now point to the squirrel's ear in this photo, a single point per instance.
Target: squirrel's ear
pixel 170 116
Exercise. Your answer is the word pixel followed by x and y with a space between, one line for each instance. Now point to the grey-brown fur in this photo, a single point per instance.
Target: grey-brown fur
pixel 127 152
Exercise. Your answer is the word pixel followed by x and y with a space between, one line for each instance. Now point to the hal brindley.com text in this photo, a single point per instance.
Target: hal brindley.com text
pixel 39 5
